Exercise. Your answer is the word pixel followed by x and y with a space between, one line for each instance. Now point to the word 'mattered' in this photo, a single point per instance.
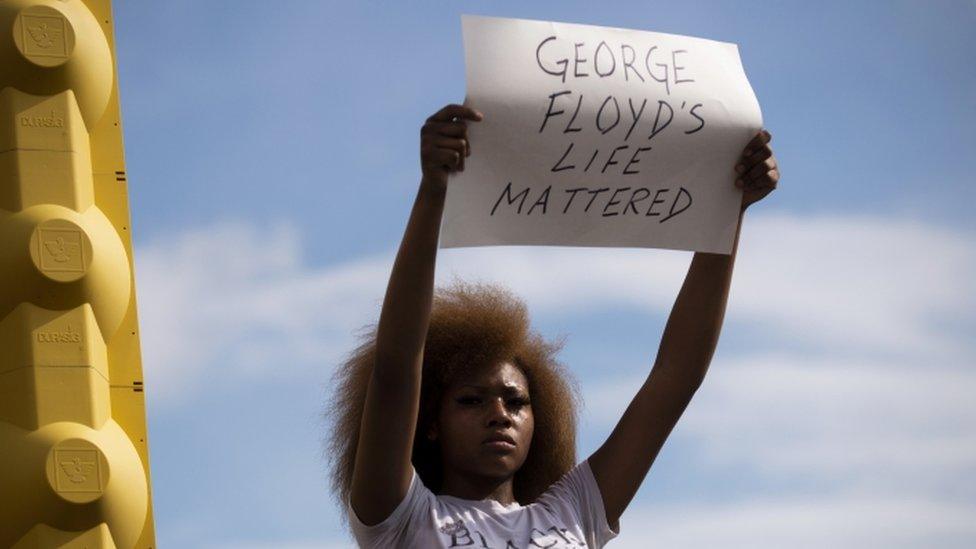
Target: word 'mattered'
pixel 609 202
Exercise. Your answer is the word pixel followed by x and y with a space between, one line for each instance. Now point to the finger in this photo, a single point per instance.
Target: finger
pixel 761 138
pixel 760 169
pixel 449 129
pixel 747 162
pixel 459 145
pixel 769 179
pixel 456 112
pixel 765 182
pixel 445 158
pixel 452 130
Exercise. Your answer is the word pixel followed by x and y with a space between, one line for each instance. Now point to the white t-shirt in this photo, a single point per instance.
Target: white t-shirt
pixel 569 514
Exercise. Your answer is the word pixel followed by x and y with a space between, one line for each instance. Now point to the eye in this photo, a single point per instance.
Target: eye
pixel 468 400
pixel 518 402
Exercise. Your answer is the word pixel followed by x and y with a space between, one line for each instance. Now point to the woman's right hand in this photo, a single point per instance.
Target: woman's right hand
pixel 444 143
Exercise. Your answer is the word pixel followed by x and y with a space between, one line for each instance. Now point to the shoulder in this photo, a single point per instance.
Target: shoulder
pixel 576 497
pixel 398 527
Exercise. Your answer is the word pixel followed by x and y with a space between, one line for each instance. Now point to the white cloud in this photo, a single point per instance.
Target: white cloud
pixel 857 282
pixel 236 300
pixel 849 421
pixel 880 413
pixel 851 283
pixel 839 522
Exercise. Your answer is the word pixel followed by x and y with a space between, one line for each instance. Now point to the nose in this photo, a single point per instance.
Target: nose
pixel 498 414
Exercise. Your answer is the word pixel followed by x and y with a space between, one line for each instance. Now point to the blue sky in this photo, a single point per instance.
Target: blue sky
pixel 272 156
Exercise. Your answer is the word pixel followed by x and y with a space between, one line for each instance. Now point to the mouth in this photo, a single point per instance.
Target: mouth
pixel 499 441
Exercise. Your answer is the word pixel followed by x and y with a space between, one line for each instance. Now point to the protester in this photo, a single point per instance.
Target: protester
pixel 455 425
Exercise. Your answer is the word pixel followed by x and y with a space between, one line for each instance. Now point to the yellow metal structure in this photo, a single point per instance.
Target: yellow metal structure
pixel 74 461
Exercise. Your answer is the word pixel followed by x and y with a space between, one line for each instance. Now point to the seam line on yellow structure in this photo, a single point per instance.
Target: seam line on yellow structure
pixel 100 374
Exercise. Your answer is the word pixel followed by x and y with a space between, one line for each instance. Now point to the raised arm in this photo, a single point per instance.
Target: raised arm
pixel 382 471
pixel 687 346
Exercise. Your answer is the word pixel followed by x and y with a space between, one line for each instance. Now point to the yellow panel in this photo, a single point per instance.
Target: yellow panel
pixel 43 536
pixel 71 390
pixel 18 399
pixel 39 396
pixel 72 394
pixel 41 122
pixel 45 177
pixel 129 411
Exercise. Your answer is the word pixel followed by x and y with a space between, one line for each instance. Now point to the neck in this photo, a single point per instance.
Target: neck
pixel 477 488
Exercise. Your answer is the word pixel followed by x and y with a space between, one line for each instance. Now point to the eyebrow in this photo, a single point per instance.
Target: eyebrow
pixel 508 388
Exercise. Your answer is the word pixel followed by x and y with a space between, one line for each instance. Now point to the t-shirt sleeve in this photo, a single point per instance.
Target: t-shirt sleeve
pixel 394 529
pixel 578 491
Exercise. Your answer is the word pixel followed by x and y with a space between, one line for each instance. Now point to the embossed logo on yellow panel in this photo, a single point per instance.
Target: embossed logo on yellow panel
pixel 45 36
pixel 52 120
pixel 66 336
pixel 61 250
pixel 77 470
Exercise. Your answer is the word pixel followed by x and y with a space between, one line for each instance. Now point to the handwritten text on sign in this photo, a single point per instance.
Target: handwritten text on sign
pixel 597 136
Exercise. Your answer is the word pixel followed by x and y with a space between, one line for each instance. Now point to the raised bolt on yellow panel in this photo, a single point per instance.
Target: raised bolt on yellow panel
pixel 74 465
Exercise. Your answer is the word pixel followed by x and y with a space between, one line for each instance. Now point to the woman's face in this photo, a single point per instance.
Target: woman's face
pixel 485 423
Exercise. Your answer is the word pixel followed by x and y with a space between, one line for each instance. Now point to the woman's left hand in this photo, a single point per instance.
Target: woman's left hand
pixel 756 171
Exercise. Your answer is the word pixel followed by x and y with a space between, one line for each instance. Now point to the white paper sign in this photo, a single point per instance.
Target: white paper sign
pixel 598 136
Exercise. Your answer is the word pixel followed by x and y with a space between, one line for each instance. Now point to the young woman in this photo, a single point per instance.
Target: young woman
pixel 454 423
